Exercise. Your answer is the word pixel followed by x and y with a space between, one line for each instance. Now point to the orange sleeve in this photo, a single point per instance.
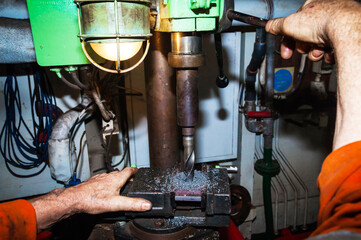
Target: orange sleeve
pixel 17 220
pixel 340 191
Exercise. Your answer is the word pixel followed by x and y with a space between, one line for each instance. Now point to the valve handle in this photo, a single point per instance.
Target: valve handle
pixel 221 80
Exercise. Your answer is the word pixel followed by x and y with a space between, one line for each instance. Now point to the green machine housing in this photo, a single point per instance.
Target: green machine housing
pixel 55 29
pixel 193 15
pixel 54 25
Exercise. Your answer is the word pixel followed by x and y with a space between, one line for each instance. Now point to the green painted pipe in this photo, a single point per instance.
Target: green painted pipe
pixel 267 197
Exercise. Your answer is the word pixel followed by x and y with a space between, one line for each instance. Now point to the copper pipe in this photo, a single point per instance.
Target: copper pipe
pixel 161 104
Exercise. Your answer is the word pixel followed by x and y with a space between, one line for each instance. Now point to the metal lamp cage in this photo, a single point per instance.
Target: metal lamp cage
pixel 93 9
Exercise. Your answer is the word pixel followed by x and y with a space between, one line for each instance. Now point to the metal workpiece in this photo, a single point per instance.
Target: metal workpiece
pixel 188 156
pixel 203 202
pixel 187 98
pixel 161 104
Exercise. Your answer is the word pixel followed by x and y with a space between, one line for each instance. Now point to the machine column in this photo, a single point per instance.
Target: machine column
pixel 161 104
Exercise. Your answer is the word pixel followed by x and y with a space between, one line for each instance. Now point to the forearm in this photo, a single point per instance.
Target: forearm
pixel 99 194
pixel 346 39
pixel 53 207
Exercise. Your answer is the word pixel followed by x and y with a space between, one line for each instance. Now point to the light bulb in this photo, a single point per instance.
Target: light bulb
pixel 108 50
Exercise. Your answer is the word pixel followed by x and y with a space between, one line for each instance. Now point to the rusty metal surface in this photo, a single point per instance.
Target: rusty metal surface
pixel 185 61
pixel 102 231
pixel 187 97
pixel 139 233
pixel 241 204
pixel 161 104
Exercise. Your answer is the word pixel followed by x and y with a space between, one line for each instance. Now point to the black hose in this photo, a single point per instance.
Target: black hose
pixel 259 51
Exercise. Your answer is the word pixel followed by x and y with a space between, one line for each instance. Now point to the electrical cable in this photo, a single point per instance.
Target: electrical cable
pixel 108 159
pixel 80 151
pixel 20 146
pixel 67 82
pixel 77 81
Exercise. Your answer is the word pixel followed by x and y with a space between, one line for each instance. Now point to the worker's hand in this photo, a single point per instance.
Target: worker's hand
pixel 97 195
pixel 101 194
pixel 317 24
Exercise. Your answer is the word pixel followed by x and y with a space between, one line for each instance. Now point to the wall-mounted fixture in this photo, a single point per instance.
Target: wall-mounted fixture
pixel 115 30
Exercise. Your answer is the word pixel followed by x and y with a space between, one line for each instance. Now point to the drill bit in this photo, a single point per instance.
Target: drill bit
pixel 188 156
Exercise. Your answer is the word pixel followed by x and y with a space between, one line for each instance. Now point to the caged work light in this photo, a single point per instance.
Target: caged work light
pixel 115 30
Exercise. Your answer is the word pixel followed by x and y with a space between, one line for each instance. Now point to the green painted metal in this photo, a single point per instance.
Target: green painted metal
pixel 191 15
pixel 54 26
pixel 267 200
pixel 203 4
pixel 268 168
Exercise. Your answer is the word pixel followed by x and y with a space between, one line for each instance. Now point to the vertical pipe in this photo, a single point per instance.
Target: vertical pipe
pixel 161 104
pixel 258 153
pixel 280 183
pixel 270 62
pixel 267 197
pixel 267 136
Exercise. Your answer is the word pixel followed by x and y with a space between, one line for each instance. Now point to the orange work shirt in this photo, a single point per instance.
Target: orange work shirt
pixel 17 220
pixel 340 191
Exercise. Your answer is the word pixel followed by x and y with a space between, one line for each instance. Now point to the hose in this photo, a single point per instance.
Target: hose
pixel 258 54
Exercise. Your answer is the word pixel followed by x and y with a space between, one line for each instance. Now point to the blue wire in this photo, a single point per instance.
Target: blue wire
pixel 15 149
pixel 241 95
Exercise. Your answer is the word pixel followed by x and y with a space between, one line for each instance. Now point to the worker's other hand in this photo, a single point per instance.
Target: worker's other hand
pixel 101 194
pixel 316 25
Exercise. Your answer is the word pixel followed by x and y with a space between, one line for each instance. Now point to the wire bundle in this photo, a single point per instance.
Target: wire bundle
pixel 22 146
